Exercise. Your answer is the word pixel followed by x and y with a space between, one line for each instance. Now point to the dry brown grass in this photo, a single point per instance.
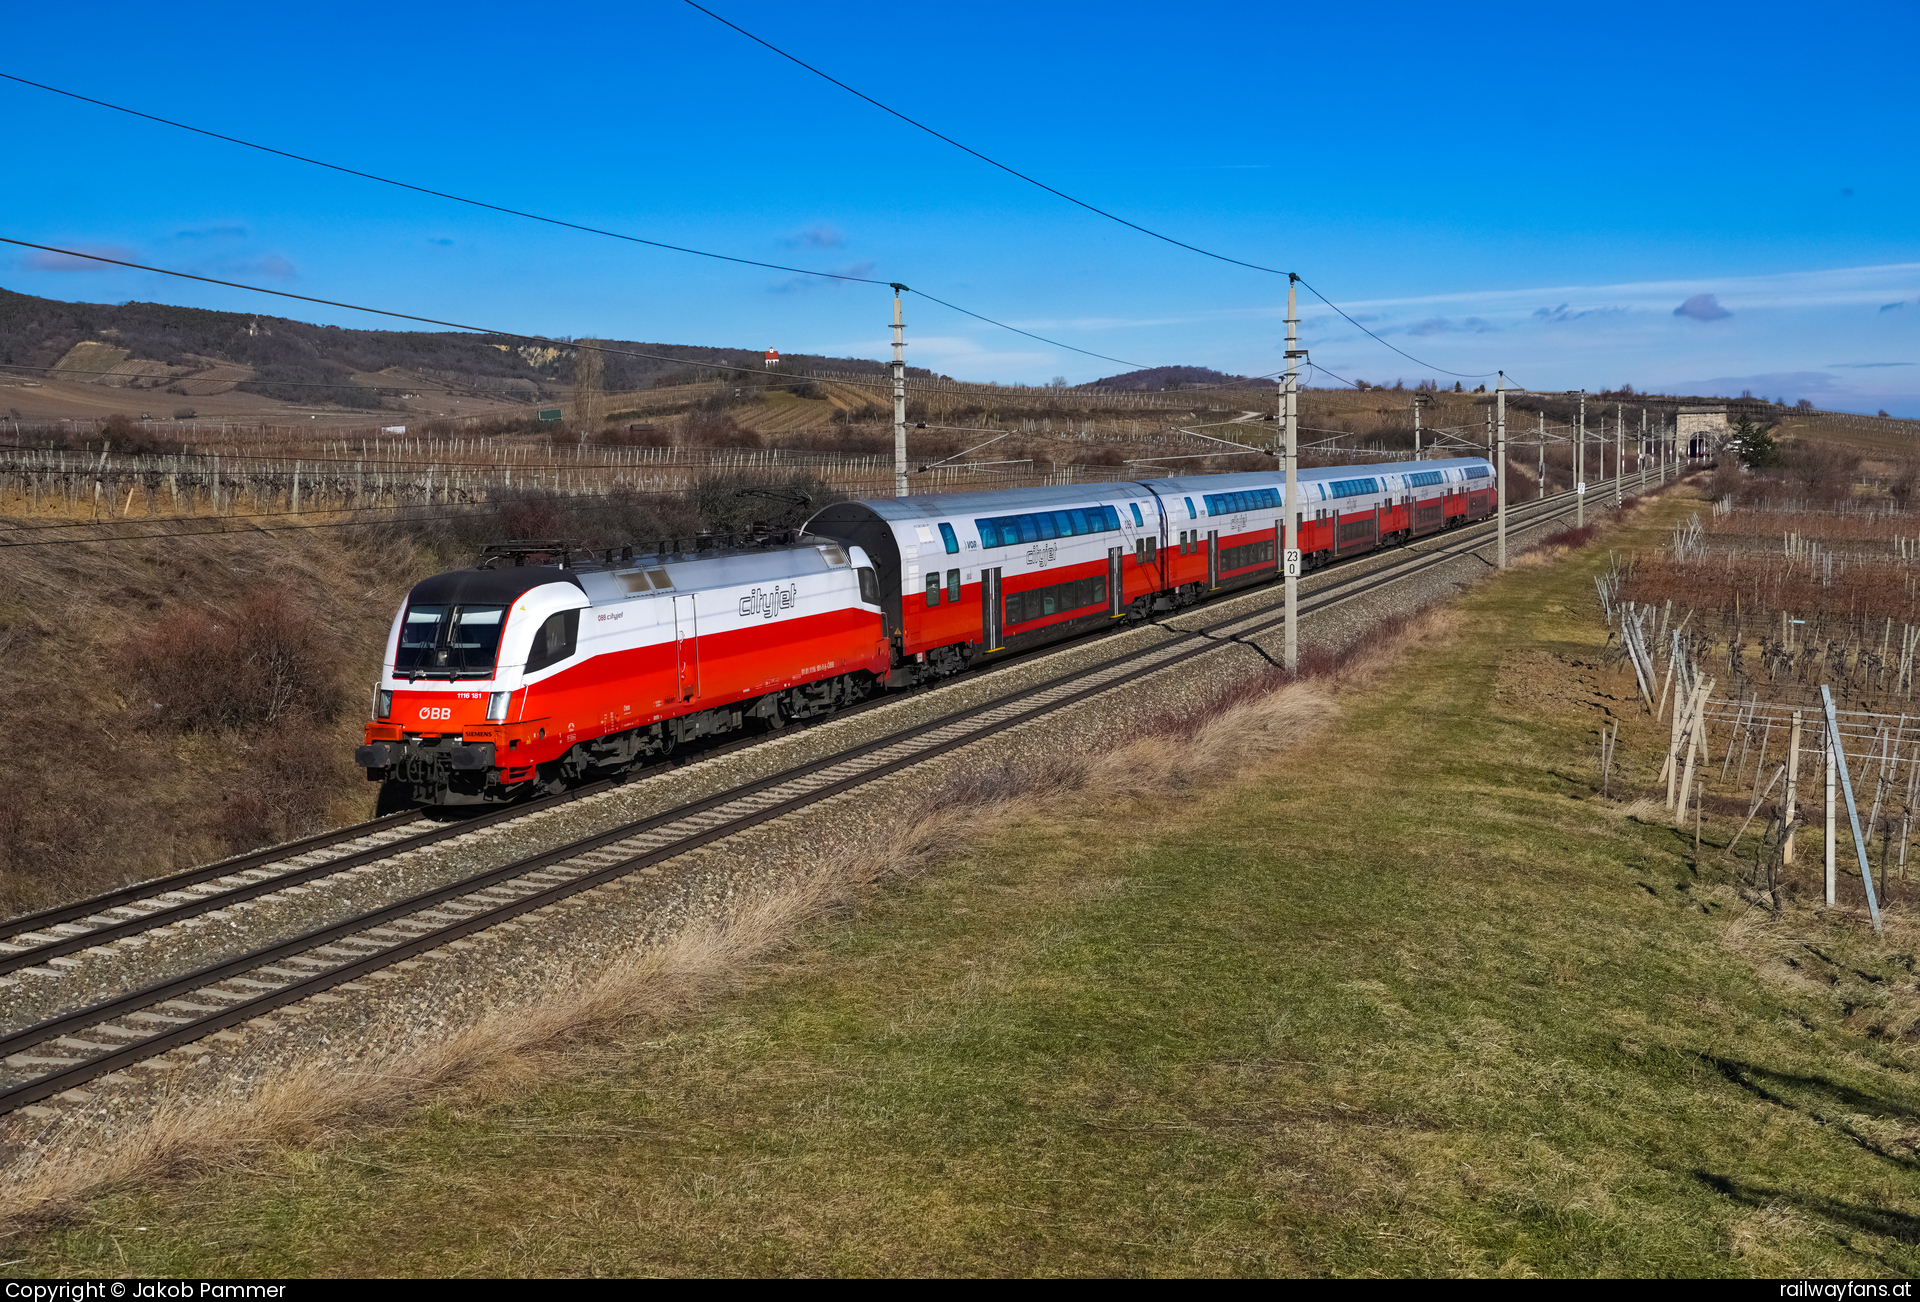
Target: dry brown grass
pixel 1214 738
pixel 103 787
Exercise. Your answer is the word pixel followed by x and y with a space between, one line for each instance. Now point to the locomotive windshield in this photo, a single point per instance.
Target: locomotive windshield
pixel 452 640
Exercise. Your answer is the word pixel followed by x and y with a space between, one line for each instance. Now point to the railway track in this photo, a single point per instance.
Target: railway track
pixel 61 1052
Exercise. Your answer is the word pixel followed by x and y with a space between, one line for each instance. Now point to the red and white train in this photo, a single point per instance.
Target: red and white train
pixel 545 665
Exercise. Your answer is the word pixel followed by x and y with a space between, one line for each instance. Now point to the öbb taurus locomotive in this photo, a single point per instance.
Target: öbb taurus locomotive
pixel 545 665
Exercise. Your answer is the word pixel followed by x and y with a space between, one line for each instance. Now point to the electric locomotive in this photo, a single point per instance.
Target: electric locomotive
pixel 546 665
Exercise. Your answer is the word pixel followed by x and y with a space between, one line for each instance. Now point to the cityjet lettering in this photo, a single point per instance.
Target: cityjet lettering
pixel 769 602
pixel 1042 554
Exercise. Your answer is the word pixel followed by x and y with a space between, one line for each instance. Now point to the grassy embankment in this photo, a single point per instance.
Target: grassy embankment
pixel 1410 998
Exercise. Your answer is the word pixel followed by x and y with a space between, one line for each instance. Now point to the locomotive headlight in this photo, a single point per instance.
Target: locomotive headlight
pixel 497 707
pixel 382 704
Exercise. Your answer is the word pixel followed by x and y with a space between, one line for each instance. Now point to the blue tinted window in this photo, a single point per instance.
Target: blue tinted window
pixel 1190 512
pixel 1478 472
pixel 1113 517
pixel 947 537
pixel 1079 518
pixel 1044 523
pixel 1063 521
pixel 1137 521
pixel 1027 530
pixel 1423 478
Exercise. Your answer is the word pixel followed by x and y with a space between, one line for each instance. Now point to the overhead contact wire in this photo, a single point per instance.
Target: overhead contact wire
pixel 1062 194
pixel 534 216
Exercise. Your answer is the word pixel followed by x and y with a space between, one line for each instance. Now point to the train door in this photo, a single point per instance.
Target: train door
pixel 1213 558
pixel 1115 599
pixel 1163 582
pixel 686 646
pixel 992 611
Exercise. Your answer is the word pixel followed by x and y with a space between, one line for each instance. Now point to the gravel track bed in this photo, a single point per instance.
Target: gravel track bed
pixel 89 976
pixel 520 963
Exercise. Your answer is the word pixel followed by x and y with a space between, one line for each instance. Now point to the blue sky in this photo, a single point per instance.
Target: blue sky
pixel 1668 196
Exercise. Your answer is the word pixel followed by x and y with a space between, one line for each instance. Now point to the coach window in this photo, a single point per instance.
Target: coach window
pixel 933 589
pixel 951 539
pixel 1138 521
pixel 1153 550
pixel 1044 523
pixel 953 586
pixel 1190 514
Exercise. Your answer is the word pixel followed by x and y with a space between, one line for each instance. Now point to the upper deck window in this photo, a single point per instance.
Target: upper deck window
pixel 1017 530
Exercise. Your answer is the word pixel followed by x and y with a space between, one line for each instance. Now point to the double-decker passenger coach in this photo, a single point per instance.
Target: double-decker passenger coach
pixel 547 664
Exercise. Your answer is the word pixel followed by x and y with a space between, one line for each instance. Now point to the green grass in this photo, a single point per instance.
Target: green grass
pixel 1411 1002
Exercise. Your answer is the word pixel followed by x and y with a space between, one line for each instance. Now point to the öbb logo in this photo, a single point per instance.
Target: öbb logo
pixel 436 712
pixel 769 602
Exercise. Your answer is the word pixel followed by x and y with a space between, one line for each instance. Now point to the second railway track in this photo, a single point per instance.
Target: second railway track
pixel 57 1053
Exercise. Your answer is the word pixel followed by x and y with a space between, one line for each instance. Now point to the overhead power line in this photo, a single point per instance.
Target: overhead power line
pixel 1062 194
pixel 538 217
pixel 968 149
pixel 1458 375
pixel 427 320
pixel 438 194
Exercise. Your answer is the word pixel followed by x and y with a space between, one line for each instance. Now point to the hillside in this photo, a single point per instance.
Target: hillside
pixel 1156 379
pixel 87 359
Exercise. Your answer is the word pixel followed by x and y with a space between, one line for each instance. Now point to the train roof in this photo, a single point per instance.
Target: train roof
pixel 948 506
pixel 1318 474
pixel 606 578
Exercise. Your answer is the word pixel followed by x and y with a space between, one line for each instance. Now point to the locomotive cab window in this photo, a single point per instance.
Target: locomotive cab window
pixel 451 640
pixel 555 640
pixel 869 586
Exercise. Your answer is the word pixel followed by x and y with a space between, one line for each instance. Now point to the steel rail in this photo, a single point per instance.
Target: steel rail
pixel 125 898
pixel 193 876
pixel 386 952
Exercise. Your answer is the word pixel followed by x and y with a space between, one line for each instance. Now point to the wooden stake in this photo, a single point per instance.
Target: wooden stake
pixel 1832 779
pixel 1793 792
pixel 1693 747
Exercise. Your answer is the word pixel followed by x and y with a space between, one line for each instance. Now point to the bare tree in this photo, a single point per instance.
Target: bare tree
pixel 589 389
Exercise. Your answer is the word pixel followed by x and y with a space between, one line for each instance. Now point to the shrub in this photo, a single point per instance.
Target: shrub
pixel 716 429
pixel 292 774
pixel 267 662
pixel 1579 537
pixel 635 436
